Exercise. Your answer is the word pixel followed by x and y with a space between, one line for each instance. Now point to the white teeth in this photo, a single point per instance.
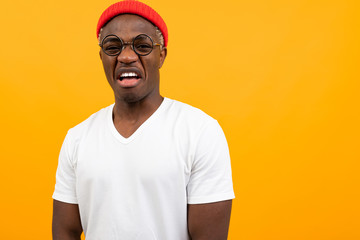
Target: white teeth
pixel 129 74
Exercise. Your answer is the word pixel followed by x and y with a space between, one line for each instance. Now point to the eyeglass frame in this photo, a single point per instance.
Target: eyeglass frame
pixel 154 44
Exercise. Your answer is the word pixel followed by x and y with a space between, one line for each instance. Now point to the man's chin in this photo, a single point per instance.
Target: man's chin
pixel 130 98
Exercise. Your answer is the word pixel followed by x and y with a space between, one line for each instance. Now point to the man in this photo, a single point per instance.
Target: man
pixel 146 167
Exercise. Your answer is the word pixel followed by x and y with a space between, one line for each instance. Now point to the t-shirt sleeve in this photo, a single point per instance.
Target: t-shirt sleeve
pixel 210 179
pixel 65 187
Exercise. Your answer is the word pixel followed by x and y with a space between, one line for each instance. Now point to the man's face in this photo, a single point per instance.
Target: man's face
pixel 119 70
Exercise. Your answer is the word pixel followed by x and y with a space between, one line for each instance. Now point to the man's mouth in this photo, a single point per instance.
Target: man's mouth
pixel 129 75
pixel 129 78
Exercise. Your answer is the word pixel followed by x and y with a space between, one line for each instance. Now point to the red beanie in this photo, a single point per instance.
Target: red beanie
pixel 133 7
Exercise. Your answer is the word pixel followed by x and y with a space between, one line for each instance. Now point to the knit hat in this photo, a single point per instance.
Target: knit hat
pixel 133 7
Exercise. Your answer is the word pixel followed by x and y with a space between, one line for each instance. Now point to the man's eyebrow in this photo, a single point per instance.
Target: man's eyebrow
pixel 140 37
pixel 110 39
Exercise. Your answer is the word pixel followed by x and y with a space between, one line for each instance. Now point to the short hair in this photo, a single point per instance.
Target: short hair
pixel 160 36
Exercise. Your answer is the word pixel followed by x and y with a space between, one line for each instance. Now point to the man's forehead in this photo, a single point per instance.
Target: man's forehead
pixel 129 22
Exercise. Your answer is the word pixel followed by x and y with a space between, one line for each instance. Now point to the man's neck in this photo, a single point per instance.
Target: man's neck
pixel 129 116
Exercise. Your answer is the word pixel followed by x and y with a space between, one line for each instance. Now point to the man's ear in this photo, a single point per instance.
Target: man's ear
pixel 163 54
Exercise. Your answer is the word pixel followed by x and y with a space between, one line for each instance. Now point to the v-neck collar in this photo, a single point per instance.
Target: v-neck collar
pixel 118 136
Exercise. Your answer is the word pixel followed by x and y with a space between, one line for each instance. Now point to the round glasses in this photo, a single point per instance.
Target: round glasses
pixel 142 45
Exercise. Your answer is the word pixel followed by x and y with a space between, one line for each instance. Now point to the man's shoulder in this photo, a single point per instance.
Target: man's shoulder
pixel 189 118
pixel 188 111
pixel 98 117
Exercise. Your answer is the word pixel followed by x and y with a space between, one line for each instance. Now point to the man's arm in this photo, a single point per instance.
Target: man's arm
pixel 66 223
pixel 209 221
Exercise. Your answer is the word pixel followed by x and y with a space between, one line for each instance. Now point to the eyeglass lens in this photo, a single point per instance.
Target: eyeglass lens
pixel 142 45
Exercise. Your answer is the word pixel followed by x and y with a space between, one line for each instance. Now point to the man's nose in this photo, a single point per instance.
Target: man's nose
pixel 127 55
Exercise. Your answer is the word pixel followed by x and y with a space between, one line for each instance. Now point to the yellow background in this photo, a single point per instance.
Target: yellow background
pixel 281 77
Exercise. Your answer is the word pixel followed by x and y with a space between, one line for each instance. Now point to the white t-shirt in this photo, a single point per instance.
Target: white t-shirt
pixel 138 188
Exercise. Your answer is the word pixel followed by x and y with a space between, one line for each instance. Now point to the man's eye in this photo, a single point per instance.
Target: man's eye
pixel 110 48
pixel 143 46
pixel 113 49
